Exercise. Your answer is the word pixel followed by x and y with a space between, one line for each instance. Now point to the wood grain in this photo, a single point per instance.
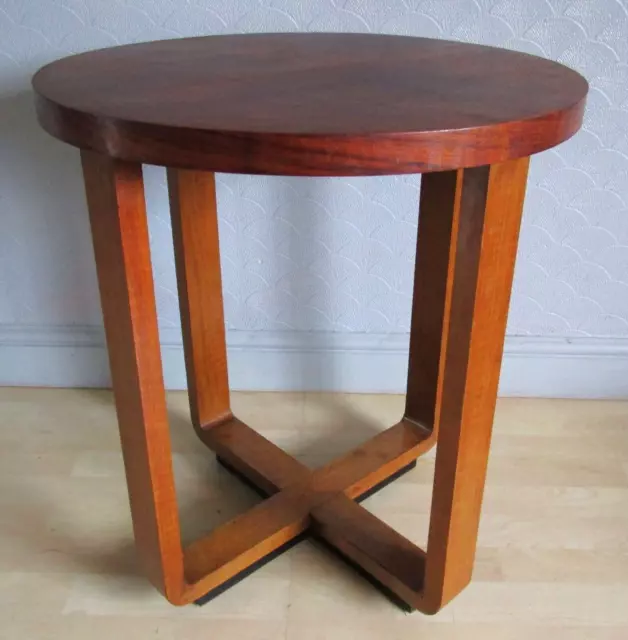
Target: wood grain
pixel 197 258
pixel 310 104
pixel 236 545
pixel 385 554
pixel 431 297
pixel 115 197
pixel 256 458
pixel 233 547
pixel 373 462
pixel 487 218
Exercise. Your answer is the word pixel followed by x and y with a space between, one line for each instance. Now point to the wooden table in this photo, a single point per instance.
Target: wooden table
pixel 466 116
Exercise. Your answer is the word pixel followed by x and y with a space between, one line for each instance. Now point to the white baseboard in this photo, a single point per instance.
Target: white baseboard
pixel 74 356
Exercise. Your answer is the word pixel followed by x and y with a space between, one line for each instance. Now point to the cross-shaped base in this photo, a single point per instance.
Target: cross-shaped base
pixel 310 532
pixel 317 502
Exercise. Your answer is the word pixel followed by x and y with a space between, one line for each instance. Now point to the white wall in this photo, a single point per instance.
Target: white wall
pixel 318 272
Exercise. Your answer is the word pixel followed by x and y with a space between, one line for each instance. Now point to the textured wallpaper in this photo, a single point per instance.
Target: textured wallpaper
pixel 323 254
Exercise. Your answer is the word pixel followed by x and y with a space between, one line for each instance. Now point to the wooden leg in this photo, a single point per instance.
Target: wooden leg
pixel 485 230
pixel 197 257
pixel 431 298
pixel 115 197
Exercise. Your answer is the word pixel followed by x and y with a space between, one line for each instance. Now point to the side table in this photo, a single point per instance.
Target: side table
pixel 466 116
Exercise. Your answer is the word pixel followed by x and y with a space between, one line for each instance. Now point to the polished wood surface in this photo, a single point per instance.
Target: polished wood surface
pixel 115 198
pixel 310 104
pixel 197 255
pixel 486 220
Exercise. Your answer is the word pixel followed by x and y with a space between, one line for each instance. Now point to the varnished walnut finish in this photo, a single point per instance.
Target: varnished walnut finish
pixel 310 105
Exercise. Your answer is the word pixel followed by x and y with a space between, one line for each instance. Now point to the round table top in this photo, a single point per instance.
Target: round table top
pixel 310 103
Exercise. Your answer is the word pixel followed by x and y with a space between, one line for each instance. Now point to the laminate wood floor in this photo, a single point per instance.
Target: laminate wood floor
pixel 553 549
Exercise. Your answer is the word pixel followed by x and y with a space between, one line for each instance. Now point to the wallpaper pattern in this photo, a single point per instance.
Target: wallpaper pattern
pixel 323 254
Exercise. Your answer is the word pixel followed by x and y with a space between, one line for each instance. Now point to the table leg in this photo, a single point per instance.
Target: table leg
pixel 197 256
pixel 115 197
pixel 485 220
pixel 430 300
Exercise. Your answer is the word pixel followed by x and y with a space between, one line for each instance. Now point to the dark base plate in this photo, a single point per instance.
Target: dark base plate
pixel 394 598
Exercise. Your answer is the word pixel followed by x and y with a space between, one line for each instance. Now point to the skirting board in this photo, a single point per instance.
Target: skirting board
pixel 74 356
